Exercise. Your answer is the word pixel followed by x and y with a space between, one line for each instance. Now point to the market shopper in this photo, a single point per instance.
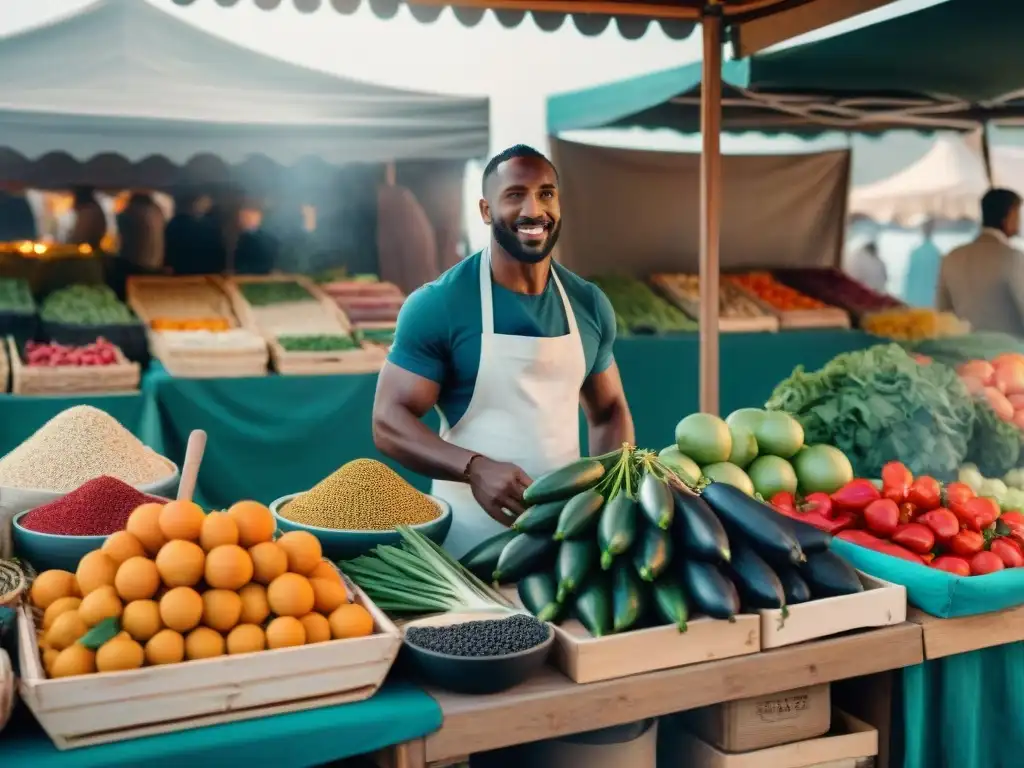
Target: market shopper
pixel 983 282
pixel 506 345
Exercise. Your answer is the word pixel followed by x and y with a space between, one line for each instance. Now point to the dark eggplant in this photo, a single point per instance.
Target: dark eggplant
pixel 828 575
pixel 482 560
pixel 656 501
pixel 711 592
pixel 762 527
pixel 758 584
pixel 811 539
pixel 793 585
pixel 698 530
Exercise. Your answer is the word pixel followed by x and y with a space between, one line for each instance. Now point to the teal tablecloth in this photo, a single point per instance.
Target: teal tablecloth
pixel 399 712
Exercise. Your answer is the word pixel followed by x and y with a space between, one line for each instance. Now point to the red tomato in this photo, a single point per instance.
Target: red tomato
pixel 967 543
pixel 1012 517
pixel 925 493
pixel 944 524
pixel 958 493
pixel 951 564
pixel 856 494
pixel 915 537
pixel 896 481
pixel 984 510
pixel 985 562
pixel 1009 551
pixel 882 517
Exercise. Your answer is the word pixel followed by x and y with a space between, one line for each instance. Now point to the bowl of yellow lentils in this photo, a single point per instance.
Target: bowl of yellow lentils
pixel 359 507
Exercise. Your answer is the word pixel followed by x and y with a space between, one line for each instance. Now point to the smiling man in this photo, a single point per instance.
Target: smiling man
pixel 506 345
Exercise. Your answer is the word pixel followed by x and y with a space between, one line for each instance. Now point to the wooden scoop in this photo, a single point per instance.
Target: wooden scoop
pixel 190 467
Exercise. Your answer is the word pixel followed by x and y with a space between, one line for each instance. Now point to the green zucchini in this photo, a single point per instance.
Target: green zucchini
pixel 628 597
pixel 670 601
pixel 616 530
pixel 577 559
pixel 538 594
pixel 579 515
pixel 656 501
pixel 526 553
pixel 594 606
pixel 539 519
pixel 565 482
pixel 652 553
pixel 482 559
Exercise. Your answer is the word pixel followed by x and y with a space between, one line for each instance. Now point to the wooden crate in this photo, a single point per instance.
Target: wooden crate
pixel 5 369
pixel 122 376
pixel 798 319
pixel 668 286
pixel 881 604
pixel 117 706
pixel 367 359
pixel 851 743
pixel 763 721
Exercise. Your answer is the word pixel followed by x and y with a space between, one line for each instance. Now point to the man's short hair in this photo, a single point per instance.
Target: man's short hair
pixel 996 205
pixel 519 150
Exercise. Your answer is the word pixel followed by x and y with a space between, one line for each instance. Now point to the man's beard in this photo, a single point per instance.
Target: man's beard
pixel 507 238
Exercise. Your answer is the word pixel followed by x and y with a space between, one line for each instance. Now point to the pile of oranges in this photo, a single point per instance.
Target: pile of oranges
pixel 179 584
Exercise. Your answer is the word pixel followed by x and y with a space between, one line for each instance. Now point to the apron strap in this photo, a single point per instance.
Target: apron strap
pixel 570 316
pixel 487 298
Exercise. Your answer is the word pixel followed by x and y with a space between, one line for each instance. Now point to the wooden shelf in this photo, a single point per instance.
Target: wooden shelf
pixel 948 637
pixel 550 705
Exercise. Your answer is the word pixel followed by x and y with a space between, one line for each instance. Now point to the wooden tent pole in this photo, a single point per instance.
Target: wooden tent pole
pixel 710 204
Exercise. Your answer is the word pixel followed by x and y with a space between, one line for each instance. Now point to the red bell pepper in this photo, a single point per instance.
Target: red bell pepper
pixel 870 541
pixel 840 522
pixel 984 510
pixel 925 493
pixel 944 524
pixel 957 493
pixel 916 537
pixel 952 564
pixel 928 558
pixel 985 562
pixel 856 495
pixel 1008 550
pixel 882 517
pixel 967 543
pixel 896 481
pixel 1013 517
pixel 784 500
pixel 819 503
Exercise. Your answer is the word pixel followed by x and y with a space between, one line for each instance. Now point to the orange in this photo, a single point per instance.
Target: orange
pixel 290 595
pixel 228 567
pixel 318 629
pixel 255 522
pixel 328 595
pixel 219 529
pixel 246 638
pixel 180 563
pixel 122 545
pixel 221 609
pixel 141 619
pixel 144 525
pixel 255 608
pixel 100 604
pixel 203 643
pixel 118 654
pixel 74 660
pixel 66 630
pixel 269 561
pixel 50 586
pixel 137 579
pixel 165 647
pixel 325 570
pixel 285 632
pixel 59 606
pixel 350 620
pixel 303 550
pixel 97 569
pixel 181 520
pixel 181 609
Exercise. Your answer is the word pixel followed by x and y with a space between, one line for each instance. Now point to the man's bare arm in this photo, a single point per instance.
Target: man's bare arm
pixel 608 418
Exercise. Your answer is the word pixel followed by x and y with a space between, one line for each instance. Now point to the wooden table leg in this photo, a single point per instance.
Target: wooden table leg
pixel 410 754
pixel 870 699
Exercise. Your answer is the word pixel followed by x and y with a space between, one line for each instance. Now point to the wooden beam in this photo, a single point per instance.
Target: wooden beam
pixel 690 11
pixel 773 25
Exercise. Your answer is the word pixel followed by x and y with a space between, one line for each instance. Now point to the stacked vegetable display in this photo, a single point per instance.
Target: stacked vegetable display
pixel 52 354
pixel 15 296
pixel 835 287
pixel 86 305
pixel 737 311
pixel 638 309
pixel 1000 383
pixel 773 293
pixel 621 542
pixel 949 528
pixel 913 324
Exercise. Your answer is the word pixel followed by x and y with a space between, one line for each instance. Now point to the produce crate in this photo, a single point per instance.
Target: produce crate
pixel 738 312
pixel 320 315
pixel 122 376
pixel 5 368
pixel 366 302
pixel 192 296
pixel 836 288
pixel 117 706
pixel 795 319
pixel 584 658
pixel 881 604
pixel 851 743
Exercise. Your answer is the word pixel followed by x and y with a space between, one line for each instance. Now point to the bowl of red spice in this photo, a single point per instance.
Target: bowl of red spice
pixel 62 532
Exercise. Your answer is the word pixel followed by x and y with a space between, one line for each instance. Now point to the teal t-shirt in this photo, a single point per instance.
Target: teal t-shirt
pixel 439 327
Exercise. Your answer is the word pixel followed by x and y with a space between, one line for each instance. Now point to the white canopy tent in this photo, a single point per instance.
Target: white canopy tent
pixel 122 77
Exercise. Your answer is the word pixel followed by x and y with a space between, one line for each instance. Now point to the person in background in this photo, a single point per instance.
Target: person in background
pixel 190 241
pixel 141 226
pixel 17 221
pixel 866 267
pixel 923 272
pixel 256 251
pixel 983 282
pixel 90 224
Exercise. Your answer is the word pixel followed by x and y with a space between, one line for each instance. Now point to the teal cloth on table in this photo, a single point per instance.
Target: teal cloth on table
pixel 936 592
pixel 399 712
pixel 20 415
pixel 963 711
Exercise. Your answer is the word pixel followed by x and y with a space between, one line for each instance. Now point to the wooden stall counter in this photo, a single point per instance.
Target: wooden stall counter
pixel 948 637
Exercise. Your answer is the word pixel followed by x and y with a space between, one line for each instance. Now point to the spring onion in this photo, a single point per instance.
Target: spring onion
pixel 420 577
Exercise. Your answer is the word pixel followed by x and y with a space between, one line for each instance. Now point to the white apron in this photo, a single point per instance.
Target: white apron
pixel 524 410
